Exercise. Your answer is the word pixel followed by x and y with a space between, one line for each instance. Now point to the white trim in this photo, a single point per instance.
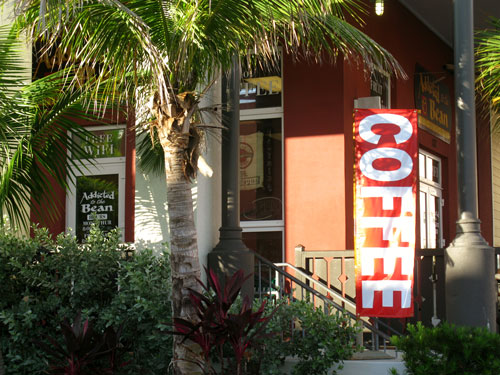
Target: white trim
pixel 249 224
pixel 437 185
pixel 431 189
pixel 99 169
pixel 261 113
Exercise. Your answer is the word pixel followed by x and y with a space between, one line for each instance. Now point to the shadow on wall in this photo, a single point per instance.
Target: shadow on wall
pixel 151 220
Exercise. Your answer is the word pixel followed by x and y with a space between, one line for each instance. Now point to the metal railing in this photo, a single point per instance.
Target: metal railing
pixel 331 274
pixel 273 280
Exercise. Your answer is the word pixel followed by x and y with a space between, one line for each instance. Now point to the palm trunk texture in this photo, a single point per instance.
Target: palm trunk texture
pixel 184 258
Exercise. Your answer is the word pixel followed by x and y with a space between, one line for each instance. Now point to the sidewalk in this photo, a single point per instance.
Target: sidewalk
pixel 374 363
pixel 366 363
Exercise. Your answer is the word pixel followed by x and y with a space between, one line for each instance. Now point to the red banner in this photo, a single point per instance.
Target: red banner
pixel 386 152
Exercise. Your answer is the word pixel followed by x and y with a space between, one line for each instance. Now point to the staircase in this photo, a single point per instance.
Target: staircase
pixel 277 280
pixel 283 279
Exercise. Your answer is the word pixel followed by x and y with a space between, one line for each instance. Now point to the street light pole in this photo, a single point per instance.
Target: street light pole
pixel 469 260
pixel 231 254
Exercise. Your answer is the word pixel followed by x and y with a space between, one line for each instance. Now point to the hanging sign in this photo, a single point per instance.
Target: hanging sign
pixel 432 97
pixel 386 151
pixel 96 201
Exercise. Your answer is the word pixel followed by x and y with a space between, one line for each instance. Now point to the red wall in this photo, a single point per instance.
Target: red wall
pixel 411 42
pixel 318 108
pixel 314 157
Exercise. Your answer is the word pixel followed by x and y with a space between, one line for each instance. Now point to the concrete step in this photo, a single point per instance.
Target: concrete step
pixel 365 363
pixel 374 363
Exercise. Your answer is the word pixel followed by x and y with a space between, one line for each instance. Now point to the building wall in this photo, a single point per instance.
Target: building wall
pixel 411 42
pixel 495 173
pixel 314 156
pixel 318 118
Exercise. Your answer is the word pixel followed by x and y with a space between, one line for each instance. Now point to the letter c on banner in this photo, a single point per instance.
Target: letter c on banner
pixel 365 127
pixel 366 164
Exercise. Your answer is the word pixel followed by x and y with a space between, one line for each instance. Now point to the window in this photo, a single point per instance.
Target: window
pixel 99 187
pixel 380 85
pixel 261 162
pixel 431 201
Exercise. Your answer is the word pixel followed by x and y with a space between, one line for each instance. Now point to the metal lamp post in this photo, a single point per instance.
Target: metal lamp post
pixel 231 253
pixel 469 260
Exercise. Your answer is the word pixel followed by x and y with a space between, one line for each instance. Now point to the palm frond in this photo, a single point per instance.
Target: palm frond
pixel 37 131
pixel 180 43
pixel 168 47
pixel 488 65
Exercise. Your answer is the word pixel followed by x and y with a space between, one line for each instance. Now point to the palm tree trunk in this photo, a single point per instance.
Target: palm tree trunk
pixel 184 259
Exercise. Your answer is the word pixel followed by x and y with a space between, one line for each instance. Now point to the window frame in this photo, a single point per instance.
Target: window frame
pixel 264 114
pixel 96 167
pixel 430 188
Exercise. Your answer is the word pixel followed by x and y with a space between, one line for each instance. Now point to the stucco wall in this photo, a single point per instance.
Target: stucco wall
pixel 495 176
pixel 318 118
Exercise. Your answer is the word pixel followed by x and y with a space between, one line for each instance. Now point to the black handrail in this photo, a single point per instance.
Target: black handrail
pixel 373 328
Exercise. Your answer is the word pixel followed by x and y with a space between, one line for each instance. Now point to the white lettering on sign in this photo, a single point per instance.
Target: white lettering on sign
pixel 392 227
pixel 368 158
pixel 97 195
pixel 86 208
pixel 387 287
pixel 366 125
pixel 386 209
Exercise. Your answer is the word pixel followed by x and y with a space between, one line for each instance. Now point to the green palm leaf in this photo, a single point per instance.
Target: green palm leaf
pixel 180 43
pixel 488 64
pixel 37 131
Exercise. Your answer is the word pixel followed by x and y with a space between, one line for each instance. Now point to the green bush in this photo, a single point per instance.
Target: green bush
pixel 44 281
pixel 318 340
pixel 449 350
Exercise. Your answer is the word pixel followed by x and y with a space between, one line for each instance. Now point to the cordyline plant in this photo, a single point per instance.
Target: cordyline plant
pixel 217 327
pixel 85 351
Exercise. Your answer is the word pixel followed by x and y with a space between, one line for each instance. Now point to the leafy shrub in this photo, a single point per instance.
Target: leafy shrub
pixel 449 350
pixel 258 341
pixel 45 281
pixel 317 339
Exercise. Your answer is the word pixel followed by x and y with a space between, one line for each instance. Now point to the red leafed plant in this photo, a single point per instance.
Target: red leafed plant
pixel 218 327
pixel 85 351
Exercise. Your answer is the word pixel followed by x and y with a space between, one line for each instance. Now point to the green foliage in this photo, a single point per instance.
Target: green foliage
pixel 318 340
pixel 449 350
pixel 37 130
pixel 488 69
pixel 45 281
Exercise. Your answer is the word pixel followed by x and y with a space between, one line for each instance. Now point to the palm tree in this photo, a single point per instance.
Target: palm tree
pixel 168 51
pixel 35 135
pixel 488 64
